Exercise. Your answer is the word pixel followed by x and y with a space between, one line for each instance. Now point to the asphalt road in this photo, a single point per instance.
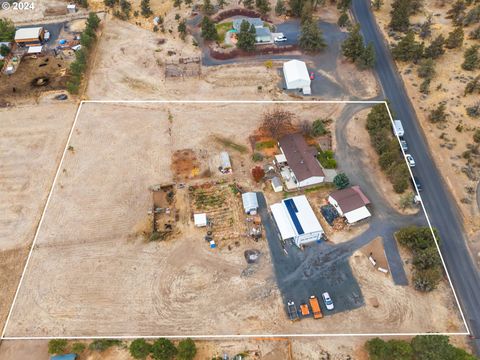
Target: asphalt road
pixel 438 201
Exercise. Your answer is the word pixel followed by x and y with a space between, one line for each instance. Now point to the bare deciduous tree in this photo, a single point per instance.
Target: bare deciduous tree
pixel 277 122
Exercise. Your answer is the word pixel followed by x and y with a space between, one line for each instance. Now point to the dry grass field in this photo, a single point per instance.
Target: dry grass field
pixel 31 145
pixel 92 274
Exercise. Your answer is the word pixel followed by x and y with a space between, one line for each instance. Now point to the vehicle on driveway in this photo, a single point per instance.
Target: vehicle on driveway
pixel 404 145
pixel 292 310
pixel 328 301
pixel 280 38
pixel 410 160
pixel 304 310
pixel 417 183
pixel 317 313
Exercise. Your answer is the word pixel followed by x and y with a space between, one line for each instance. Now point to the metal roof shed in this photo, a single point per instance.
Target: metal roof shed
pixel 200 220
pixel 27 35
pixel 225 163
pixel 277 184
pixel 296 75
pixel 250 202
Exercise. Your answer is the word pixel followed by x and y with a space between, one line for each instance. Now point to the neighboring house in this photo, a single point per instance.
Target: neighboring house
pixel 296 76
pixel 35 50
pixel 250 203
pixel 296 220
pixel 301 159
pixel 64 357
pixel 262 33
pixel 350 203
pixel 30 36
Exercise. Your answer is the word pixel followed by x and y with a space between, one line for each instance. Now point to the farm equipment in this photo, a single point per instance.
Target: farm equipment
pixel 292 310
pixel 317 313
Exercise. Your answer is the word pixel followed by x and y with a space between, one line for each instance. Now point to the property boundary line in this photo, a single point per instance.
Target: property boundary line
pixel 233 336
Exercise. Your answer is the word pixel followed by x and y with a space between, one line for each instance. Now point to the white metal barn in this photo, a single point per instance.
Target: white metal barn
pixel 296 220
pixel 296 76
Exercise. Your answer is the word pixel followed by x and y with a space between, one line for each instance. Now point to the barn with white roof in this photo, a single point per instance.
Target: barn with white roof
pixel 296 220
pixel 296 76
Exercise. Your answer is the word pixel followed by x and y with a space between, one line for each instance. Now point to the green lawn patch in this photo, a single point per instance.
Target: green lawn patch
pixel 265 144
pixel 327 159
pixel 222 29
pixel 230 144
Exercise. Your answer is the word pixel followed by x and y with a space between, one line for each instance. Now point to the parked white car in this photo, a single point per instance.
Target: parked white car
pixel 280 38
pixel 328 301
pixel 410 160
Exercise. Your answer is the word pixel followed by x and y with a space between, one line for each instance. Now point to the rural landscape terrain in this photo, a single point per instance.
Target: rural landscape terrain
pixel 257 179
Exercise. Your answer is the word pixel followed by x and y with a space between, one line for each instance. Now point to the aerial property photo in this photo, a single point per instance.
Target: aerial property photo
pixel 281 237
pixel 221 179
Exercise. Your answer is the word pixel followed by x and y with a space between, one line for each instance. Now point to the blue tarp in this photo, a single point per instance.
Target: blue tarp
pixel 64 357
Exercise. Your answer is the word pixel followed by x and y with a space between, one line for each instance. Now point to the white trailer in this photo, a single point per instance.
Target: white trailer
pixel 398 128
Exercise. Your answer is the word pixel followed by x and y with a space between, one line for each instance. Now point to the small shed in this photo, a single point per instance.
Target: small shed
pixel 64 357
pixel 296 76
pixel 277 184
pixel 250 203
pixel 200 220
pixel 225 164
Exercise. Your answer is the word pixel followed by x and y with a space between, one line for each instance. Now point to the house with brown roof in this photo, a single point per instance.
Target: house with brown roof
pixel 350 203
pixel 305 170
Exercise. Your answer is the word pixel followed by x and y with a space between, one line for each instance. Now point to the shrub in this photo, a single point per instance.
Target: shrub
pixel 426 280
pixel 341 181
pixel 140 349
pixel 318 128
pixel 476 136
pixel 258 173
pixel 257 157
pixel 438 114
pixel 78 347
pixel 163 349
pixel 326 159
pixel 57 346
pixel 474 110
pixel 103 344
pixel 426 258
pixel 186 350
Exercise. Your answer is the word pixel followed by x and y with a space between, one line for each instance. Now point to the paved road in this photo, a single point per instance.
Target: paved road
pixel 438 201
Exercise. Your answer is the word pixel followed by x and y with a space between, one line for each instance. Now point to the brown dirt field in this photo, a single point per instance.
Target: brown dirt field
pixel 358 134
pixel 123 285
pixel 30 149
pixel 450 77
pixel 28 70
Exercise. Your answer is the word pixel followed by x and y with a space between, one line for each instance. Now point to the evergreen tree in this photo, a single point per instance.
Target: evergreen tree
pixel 221 3
pixel 7 30
pixel 426 69
pixel 307 12
pixel 435 49
pixel 377 4
pixel 280 7
pixel 209 31
pixel 246 36
pixel 145 6
pixel 182 29
pixel 475 34
pixel 311 37
pixel 296 7
pixel 438 114
pixel 426 28
pixel 400 13
pixel 352 47
pixel 471 58
pixel 343 20
pixel 408 49
pixel 416 6
pixel 455 38
pixel 248 4
pixel 93 21
pixel 457 12
pixel 343 4
pixel 367 59
pixel 208 7
pixel 263 6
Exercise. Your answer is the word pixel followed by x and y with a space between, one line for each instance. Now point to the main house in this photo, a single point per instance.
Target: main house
pixel 304 168
pixel 296 220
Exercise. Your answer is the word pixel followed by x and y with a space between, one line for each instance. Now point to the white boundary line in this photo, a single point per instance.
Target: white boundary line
pixel 236 336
